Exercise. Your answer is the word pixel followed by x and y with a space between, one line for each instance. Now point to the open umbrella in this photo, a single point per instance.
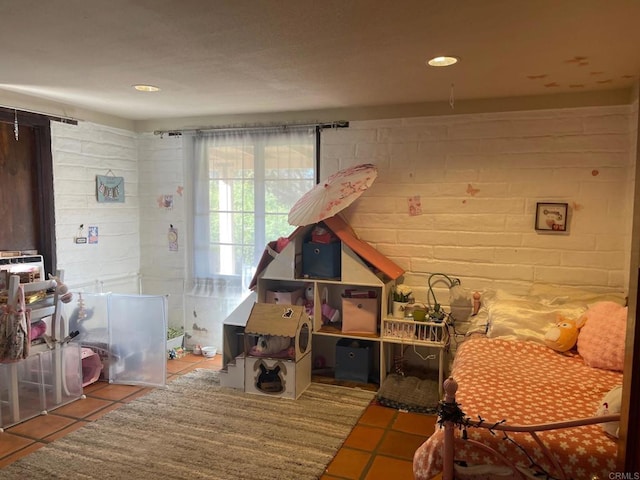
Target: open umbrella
pixel 333 195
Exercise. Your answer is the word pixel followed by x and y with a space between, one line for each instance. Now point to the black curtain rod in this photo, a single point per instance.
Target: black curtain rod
pixel 231 128
pixel 22 111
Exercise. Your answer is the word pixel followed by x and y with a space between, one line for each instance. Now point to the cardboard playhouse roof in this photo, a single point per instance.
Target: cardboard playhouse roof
pixel 347 235
pixel 275 319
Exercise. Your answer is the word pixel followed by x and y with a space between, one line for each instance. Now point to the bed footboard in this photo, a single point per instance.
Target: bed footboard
pixel 451 417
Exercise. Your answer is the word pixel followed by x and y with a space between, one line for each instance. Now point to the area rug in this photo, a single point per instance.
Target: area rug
pixel 195 429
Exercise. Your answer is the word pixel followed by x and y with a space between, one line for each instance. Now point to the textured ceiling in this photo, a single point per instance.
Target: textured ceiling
pixel 228 57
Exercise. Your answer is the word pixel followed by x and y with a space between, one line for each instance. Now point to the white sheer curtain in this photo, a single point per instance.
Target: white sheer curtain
pixel 244 183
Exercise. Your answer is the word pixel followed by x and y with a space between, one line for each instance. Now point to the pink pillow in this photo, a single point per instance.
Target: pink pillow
pixel 601 340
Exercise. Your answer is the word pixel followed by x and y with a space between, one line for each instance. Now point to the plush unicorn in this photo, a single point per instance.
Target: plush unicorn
pixel 610 405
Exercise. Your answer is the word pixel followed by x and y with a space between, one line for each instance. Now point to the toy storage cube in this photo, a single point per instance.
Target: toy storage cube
pixel 277 377
pixel 360 315
pixel 321 260
pixel 40 382
pixel 353 360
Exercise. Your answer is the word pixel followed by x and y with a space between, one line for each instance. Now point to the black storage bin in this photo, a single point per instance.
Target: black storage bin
pixel 353 360
pixel 321 260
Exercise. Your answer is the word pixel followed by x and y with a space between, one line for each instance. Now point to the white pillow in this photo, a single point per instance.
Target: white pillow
pixel 525 318
pixel 558 295
pixel 611 404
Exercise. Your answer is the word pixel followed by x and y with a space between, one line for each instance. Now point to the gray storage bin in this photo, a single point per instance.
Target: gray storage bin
pixel 353 360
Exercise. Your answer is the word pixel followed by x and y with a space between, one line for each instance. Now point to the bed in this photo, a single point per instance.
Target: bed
pixel 505 374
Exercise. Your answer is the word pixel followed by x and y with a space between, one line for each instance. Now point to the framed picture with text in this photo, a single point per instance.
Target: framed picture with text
pixel 551 217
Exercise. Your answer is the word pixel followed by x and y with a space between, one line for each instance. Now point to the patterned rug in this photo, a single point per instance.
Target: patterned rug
pixel 195 429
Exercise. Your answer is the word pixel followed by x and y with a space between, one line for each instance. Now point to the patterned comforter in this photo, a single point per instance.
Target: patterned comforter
pixel 527 383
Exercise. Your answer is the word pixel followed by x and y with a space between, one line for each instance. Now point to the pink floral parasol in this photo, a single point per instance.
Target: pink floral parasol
pixel 333 195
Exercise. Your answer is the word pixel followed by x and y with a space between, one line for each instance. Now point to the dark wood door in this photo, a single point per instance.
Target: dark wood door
pixel 26 186
pixel 19 210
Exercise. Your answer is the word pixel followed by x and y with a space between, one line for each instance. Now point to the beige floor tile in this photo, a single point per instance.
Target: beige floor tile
pixel 19 454
pixel 417 423
pixel 10 443
pixel 400 444
pixel 83 407
pixel 364 437
pixel 387 468
pixel 66 431
pixel 116 392
pixel 378 416
pixel 41 426
pixel 348 463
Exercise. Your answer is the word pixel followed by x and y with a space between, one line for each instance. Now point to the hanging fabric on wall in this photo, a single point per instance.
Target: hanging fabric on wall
pixel 109 188
pixel 14 330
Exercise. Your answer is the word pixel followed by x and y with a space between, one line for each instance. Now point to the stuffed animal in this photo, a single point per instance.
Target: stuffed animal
pixel 563 336
pixel 611 404
pixel 62 290
pixel 270 344
pixel 308 300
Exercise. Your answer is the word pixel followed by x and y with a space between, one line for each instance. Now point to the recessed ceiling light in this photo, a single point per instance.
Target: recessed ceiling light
pixel 442 61
pixel 146 88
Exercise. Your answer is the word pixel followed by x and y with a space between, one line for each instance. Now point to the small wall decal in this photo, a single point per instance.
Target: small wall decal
pixel 179 190
pixel 80 238
pixel 415 205
pixel 472 191
pixel 172 236
pixel 93 234
pixel 165 201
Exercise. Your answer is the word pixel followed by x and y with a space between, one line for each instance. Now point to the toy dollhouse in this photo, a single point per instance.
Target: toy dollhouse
pixel 345 273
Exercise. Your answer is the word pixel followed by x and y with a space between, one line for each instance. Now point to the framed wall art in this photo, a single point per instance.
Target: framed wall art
pixel 551 217
pixel 109 189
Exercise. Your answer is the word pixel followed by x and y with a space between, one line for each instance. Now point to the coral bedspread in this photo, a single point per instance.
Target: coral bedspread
pixel 527 383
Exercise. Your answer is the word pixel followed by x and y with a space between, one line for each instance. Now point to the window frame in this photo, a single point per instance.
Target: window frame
pixel 259 215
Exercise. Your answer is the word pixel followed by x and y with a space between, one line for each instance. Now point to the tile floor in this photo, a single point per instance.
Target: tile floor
pixel 380 447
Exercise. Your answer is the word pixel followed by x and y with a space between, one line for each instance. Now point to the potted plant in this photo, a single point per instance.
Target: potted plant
pixel 175 336
pixel 401 295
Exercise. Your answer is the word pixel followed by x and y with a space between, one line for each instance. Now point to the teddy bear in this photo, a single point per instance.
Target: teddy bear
pixel 563 336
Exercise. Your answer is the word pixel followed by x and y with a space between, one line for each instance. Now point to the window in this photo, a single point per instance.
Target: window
pixel 245 183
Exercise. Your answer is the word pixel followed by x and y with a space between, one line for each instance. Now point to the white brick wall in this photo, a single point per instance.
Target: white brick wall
pixel 80 152
pixel 479 177
pixel 161 167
